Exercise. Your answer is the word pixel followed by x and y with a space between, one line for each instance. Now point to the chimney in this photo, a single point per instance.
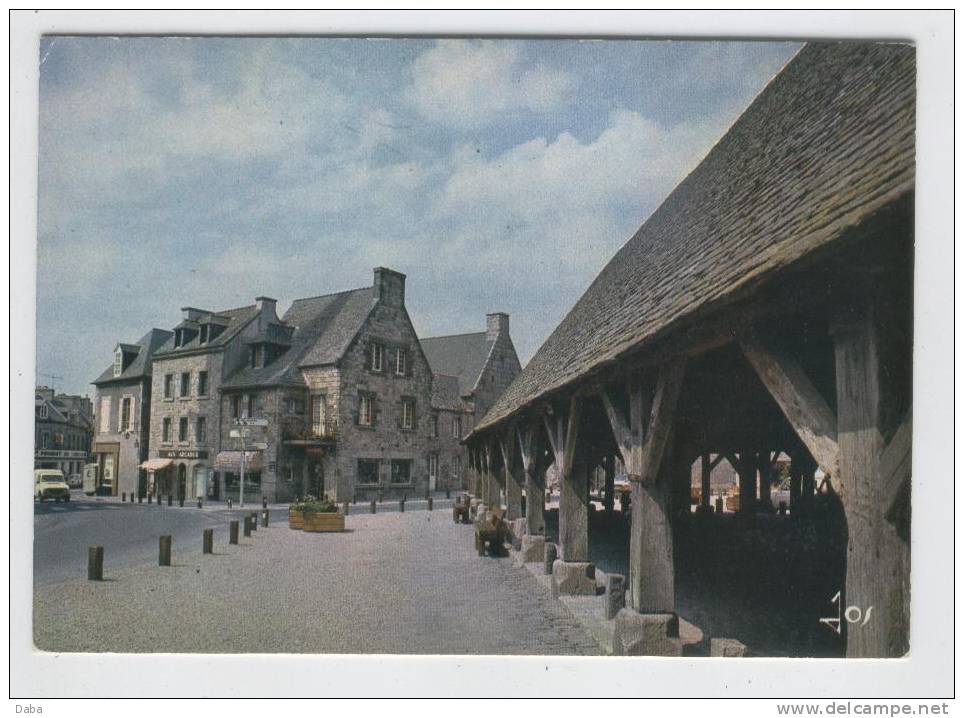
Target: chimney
pixel 389 287
pixel 266 305
pixel 496 325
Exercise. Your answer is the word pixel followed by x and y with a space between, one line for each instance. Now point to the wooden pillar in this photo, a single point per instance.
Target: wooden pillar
pixel 530 452
pixel 765 468
pixel 609 488
pixel 859 437
pixel 490 492
pixel 514 474
pixel 746 470
pixel 562 428
pixel 705 485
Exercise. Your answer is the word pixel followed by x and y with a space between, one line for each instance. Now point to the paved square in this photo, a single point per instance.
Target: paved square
pixel 393 583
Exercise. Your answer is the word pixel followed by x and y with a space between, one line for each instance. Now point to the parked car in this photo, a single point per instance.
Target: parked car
pixel 50 484
pixel 75 481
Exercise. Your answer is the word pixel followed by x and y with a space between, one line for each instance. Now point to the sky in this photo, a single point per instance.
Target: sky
pixel 498 175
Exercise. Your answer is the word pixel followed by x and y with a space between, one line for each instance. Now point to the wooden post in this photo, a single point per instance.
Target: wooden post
pixel 233 532
pixel 746 469
pixel 877 561
pixel 373 506
pixel 707 472
pixel 264 516
pixel 514 474
pixel 247 526
pixel 95 563
pixel 207 541
pixel 164 551
pixel 570 459
pixel 609 487
pixel 429 503
pixel 254 520
pixel 531 453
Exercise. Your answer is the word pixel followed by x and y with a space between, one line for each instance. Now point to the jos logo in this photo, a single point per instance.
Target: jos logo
pixel 852 614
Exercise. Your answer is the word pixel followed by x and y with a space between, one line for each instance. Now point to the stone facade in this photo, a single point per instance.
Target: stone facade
pixel 62 431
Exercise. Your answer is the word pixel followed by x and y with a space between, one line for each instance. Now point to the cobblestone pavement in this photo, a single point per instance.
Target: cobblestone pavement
pixel 393 583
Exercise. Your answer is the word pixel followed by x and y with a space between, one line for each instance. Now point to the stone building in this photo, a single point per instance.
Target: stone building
pixel 470 372
pixel 62 431
pixel 187 373
pixel 122 417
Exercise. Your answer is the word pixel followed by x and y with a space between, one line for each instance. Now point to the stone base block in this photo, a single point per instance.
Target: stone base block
pixel 726 648
pixel 646 634
pixel 533 549
pixel 573 578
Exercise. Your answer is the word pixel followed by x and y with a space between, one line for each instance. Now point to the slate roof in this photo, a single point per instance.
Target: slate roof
pixel 458 355
pixel 446 395
pixel 323 328
pixel 238 319
pixel 140 366
pixel 827 143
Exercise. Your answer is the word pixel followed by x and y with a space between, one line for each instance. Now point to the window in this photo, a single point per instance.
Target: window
pixel 457 468
pixel 182 429
pixel 377 355
pixel 118 361
pixel 401 362
pixel 434 427
pixel 45 440
pixel 433 466
pixel 204 333
pixel 366 410
pixel 201 434
pixel 185 383
pixel 42 411
pixel 457 427
pixel 166 429
pixel 294 406
pixel 368 471
pixel 319 411
pixel 236 407
pixel 408 413
pixel 257 355
pixel 104 414
pixel 249 402
pixel 202 383
pixel 401 471
pixel 168 386
pixel 126 419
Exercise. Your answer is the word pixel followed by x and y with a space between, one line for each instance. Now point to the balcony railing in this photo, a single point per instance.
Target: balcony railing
pixel 301 430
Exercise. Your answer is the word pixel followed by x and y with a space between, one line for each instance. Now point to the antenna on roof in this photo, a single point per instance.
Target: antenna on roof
pixel 52 377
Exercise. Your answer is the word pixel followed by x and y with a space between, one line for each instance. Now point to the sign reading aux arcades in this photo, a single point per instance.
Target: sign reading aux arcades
pixel 183 453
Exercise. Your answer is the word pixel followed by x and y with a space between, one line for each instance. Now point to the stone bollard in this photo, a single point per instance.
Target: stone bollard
pixel 150 498
pixel 247 526
pixel 429 503
pixel 170 500
pixel 264 502
pixel 726 648
pixel 140 499
pixel 254 520
pixel 401 506
pixel 549 558
pixel 123 497
pixel 615 594
pixel 95 563
pixel 164 554
pixel 448 493
pixel 207 542
pixel 373 506
pixel 230 503
pixel 346 508
pixel 132 497
pixel 233 532
pixel 200 505
pixel 264 518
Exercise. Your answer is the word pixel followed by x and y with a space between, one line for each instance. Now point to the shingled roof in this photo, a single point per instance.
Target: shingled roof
pixel 323 328
pixel 827 143
pixel 459 355
pixel 141 365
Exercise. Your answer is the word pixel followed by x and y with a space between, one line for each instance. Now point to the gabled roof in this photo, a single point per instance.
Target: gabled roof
pixel 828 142
pixel 141 365
pixel 323 327
pixel 238 319
pixel 459 355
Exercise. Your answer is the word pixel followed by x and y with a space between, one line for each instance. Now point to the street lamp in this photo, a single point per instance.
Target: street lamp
pixel 241 433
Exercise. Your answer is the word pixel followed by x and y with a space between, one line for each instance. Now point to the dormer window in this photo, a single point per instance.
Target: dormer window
pixel 205 332
pixel 178 338
pixel 257 356
pixel 118 361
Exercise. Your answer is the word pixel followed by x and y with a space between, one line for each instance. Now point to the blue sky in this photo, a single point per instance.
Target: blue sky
pixel 498 175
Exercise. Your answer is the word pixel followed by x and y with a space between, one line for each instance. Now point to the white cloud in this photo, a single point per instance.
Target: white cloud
pixel 469 83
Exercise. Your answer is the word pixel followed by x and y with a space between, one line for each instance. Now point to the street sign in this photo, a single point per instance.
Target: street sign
pixel 258 446
pixel 251 422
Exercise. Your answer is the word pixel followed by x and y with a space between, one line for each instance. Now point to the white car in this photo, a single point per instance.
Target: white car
pixel 50 484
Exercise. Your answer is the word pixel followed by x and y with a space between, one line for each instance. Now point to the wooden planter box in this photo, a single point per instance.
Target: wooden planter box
pixel 318 522
pixel 295 519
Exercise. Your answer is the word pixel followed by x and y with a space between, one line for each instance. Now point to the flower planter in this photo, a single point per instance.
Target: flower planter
pixel 323 522
pixel 295 519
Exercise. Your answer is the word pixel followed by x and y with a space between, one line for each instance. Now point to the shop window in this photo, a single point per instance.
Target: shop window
pixel 401 471
pixel 368 471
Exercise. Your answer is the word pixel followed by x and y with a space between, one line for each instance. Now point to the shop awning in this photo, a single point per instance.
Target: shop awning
pixel 231 461
pixel 157 464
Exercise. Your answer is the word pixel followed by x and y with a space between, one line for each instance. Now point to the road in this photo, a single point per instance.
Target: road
pixel 128 532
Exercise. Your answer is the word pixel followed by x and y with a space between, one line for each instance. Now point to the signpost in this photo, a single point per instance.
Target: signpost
pixel 242 434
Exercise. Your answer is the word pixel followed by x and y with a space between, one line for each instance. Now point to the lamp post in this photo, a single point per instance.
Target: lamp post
pixel 241 433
